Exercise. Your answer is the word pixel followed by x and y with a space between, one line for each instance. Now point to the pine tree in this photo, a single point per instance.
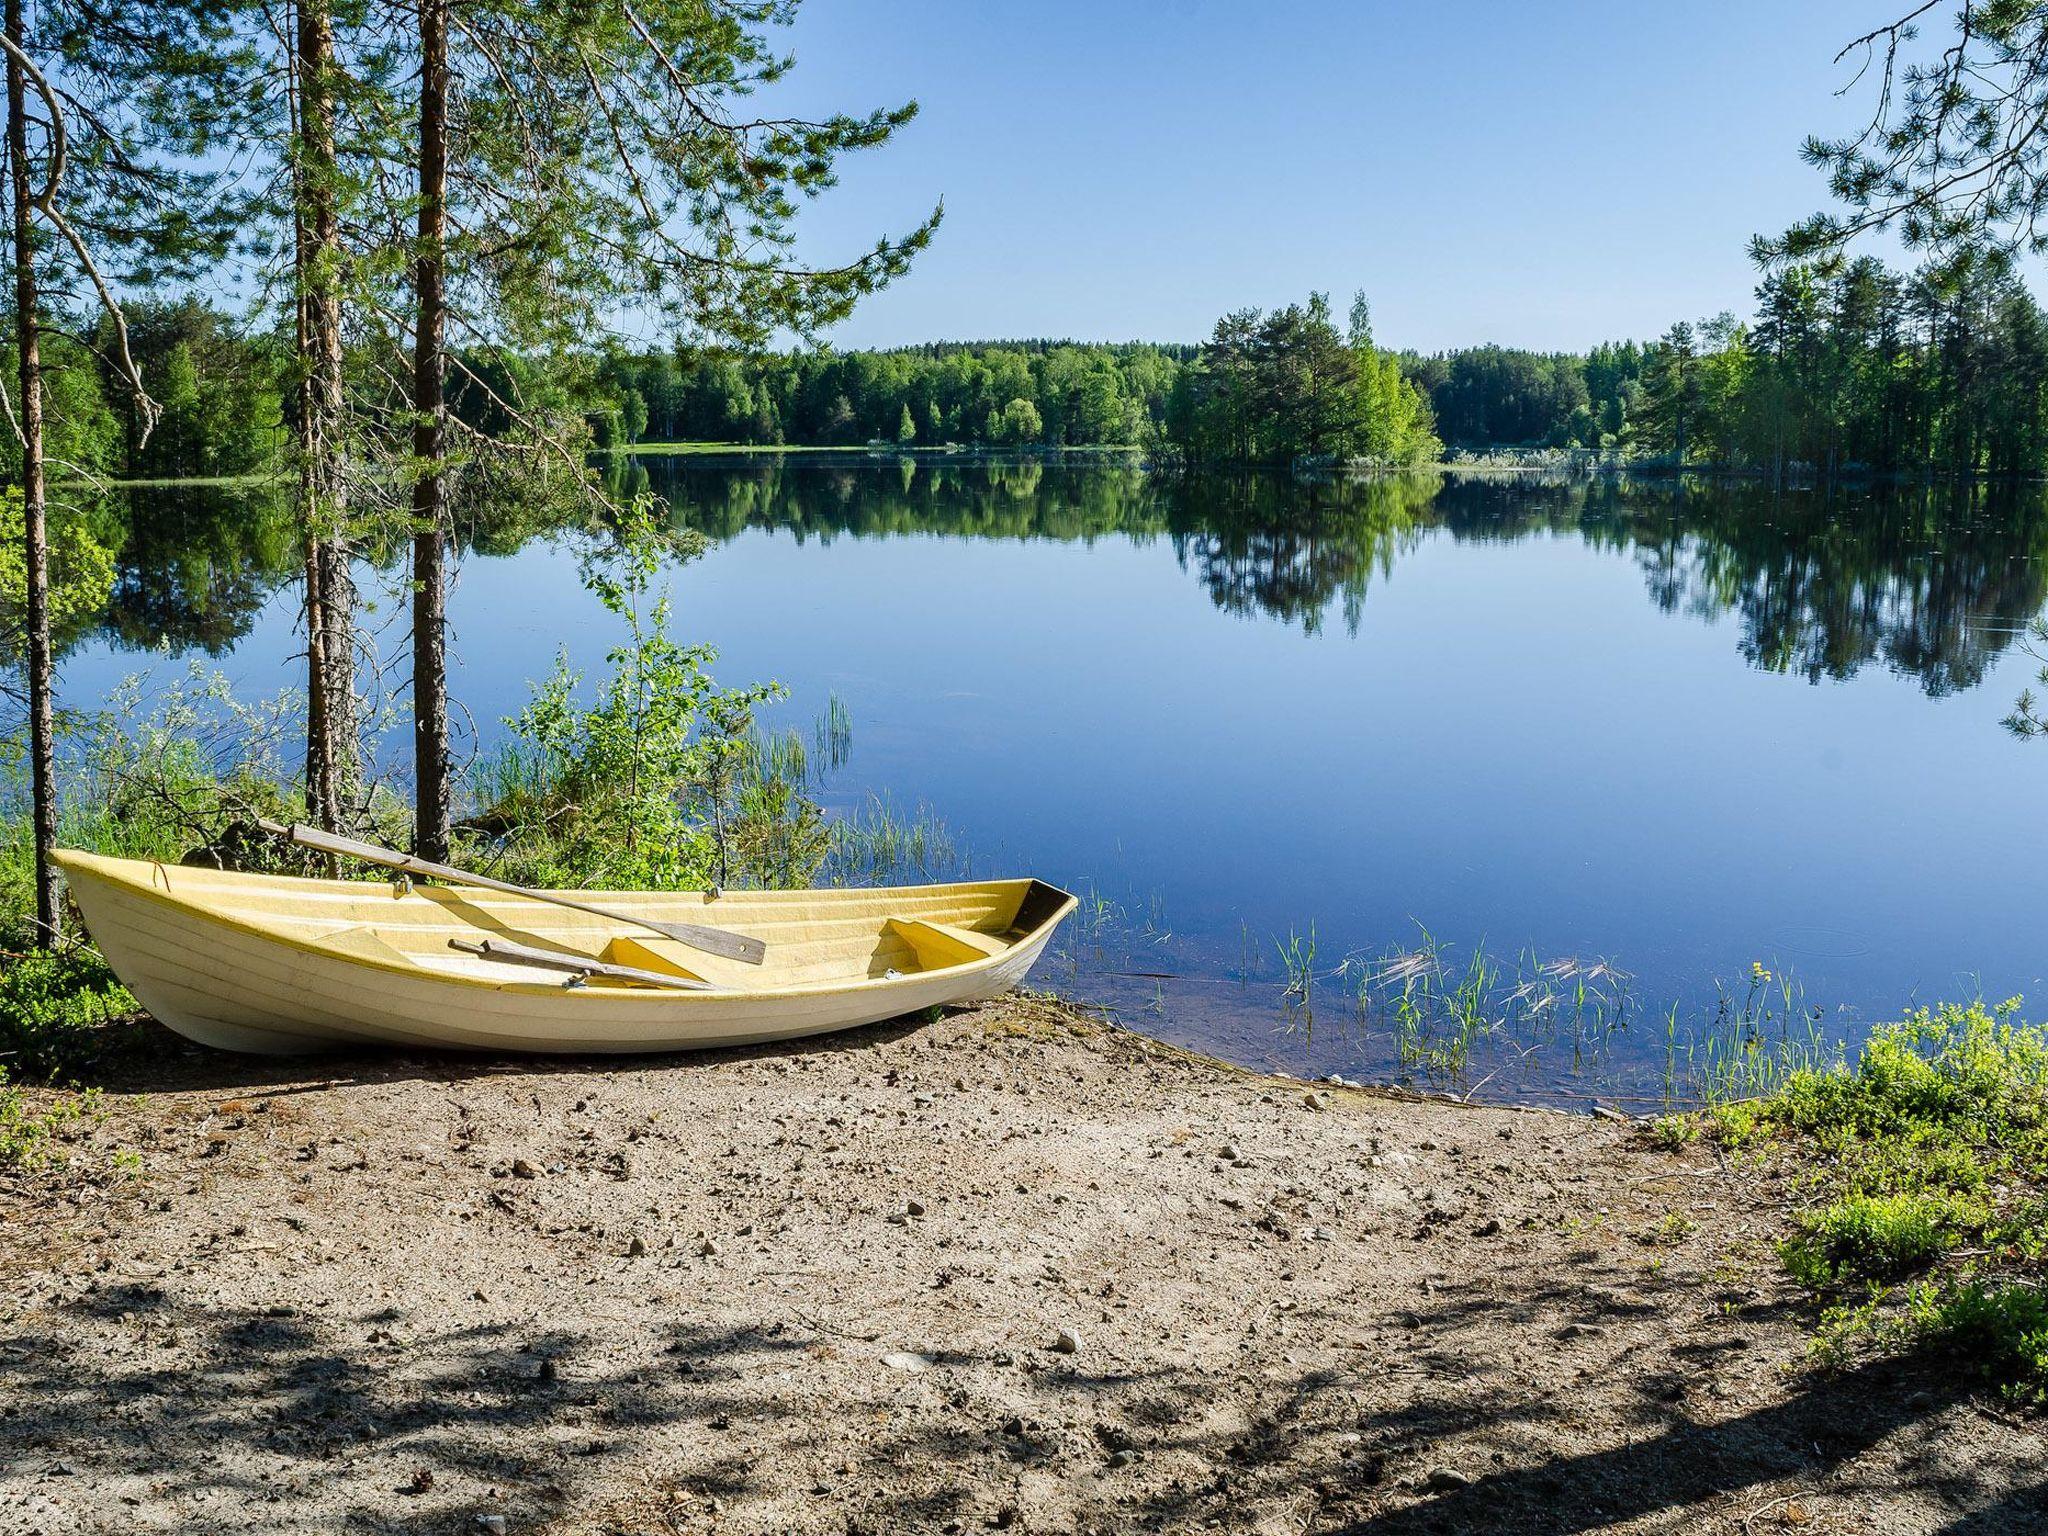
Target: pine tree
pixel 100 99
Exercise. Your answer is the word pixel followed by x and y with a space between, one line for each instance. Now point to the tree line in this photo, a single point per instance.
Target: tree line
pixel 1845 367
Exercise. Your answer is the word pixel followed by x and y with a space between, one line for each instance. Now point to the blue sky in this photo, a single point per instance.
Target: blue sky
pixel 1542 175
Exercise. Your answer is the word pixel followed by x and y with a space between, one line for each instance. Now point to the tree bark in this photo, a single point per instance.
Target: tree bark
pixel 333 769
pixel 34 505
pixel 430 539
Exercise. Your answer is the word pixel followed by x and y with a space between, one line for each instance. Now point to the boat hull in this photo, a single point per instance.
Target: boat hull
pixel 225 981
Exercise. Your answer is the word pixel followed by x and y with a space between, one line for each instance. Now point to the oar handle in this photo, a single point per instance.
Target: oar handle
pixel 345 847
pixel 391 858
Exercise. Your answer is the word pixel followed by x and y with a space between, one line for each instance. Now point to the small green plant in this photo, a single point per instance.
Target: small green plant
pixel 1298 960
pixel 30 1127
pixel 1869 1237
pixel 1674 1133
pixel 1669 1232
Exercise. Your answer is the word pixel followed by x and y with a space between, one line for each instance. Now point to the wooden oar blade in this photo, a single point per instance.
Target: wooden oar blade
pixel 713 941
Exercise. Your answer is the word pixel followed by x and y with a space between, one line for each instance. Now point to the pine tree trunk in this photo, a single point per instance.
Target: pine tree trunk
pixel 429 544
pixel 34 508
pixel 333 769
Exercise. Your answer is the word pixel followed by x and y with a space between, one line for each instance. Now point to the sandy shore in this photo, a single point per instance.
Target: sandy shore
pixel 1011 1270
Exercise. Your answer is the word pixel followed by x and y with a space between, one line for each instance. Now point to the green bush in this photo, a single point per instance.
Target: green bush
pixel 1933 1161
pixel 655 778
pixel 53 1008
pixel 1999 1331
pixel 1871 1237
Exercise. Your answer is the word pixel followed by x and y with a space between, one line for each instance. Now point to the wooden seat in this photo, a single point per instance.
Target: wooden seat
pixel 938 945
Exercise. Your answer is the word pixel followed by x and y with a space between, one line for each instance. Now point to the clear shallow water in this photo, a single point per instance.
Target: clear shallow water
pixel 1684 730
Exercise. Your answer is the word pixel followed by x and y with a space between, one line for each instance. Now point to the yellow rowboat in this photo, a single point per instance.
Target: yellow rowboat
pixel 280 965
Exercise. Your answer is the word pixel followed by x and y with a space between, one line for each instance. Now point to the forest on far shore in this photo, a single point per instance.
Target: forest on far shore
pixel 1843 367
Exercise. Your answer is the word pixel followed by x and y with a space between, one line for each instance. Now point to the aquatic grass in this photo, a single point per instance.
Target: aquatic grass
pixel 1753 1040
pixel 1440 1012
pixel 1461 1019
pixel 1114 937
pixel 1298 960
pixel 876 844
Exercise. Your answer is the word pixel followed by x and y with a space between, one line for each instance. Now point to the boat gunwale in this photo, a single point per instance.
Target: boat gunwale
pixel 92 864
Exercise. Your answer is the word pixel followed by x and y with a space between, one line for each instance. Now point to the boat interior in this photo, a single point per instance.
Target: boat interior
pixel 812 938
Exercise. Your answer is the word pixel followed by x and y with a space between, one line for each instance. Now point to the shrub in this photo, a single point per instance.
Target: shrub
pixel 1999 1331
pixel 661 779
pixel 1935 1149
pixel 54 1008
pixel 1874 1237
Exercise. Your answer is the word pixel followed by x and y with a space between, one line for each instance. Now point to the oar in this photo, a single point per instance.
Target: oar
pixel 713 941
pixel 582 965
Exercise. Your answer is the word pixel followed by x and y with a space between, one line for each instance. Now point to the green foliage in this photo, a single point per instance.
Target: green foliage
pixel 81 435
pixel 1872 1237
pixel 2000 1332
pixel 964 393
pixel 1934 1149
pixel 1287 386
pixel 54 1009
pixel 661 779
pixel 1486 397
pixel 1020 423
pixel 81 570
pixel 30 1127
pixel 221 393
pixel 1951 155
pixel 2029 717
pixel 1845 367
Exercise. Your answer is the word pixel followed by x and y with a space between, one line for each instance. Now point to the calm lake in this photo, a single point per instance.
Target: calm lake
pixel 1480 783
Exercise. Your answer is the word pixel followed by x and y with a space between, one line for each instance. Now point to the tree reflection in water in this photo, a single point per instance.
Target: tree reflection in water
pixel 1930 581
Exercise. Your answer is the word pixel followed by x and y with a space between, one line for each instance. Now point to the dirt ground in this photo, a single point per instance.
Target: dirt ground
pixel 1011 1270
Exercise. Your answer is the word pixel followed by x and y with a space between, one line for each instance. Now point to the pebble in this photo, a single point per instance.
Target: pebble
pixel 1230 1154
pixel 637 1247
pixel 1066 1342
pixel 490 1523
pixel 1445 1480
pixel 906 1360
pixel 521 1169
pixel 708 1249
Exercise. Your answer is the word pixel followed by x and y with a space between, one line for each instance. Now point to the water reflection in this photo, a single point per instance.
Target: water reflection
pixel 1928 581
pixel 1165 743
